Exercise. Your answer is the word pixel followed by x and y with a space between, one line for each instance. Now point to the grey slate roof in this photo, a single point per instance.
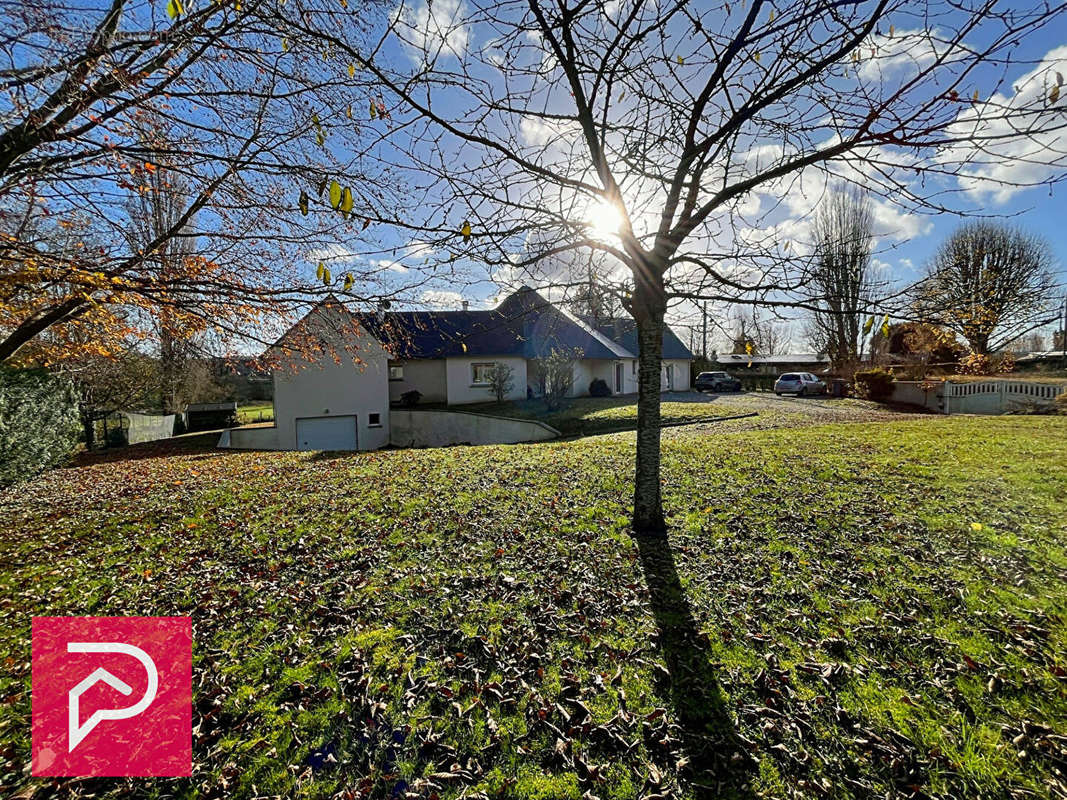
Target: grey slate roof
pixel 623 331
pixel 525 324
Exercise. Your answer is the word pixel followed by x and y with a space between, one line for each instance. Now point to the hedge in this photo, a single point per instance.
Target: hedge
pixel 39 424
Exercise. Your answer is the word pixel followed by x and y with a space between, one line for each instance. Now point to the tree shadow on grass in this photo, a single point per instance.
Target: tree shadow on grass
pixel 719 764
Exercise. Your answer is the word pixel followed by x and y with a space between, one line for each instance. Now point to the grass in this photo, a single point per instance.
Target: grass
pixel 846 610
pixel 585 416
pixel 255 412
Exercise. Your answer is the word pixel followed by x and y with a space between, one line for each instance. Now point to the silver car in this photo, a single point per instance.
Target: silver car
pixel 799 383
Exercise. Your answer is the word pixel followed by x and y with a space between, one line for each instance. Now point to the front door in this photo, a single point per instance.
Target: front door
pixel 618 378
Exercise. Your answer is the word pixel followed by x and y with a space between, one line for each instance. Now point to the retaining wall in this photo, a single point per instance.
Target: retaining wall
pixel 414 428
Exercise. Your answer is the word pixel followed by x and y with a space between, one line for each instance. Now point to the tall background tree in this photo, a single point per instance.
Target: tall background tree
pixel 989 283
pixel 841 274
pixel 654 133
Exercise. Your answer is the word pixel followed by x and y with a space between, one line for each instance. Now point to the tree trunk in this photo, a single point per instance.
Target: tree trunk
pixel 89 428
pixel 648 502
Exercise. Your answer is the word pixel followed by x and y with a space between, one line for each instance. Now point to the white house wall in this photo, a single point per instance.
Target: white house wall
pixel 461 390
pixel 427 376
pixel 323 388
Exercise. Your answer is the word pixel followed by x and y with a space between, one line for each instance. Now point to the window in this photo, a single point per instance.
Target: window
pixel 670 376
pixel 396 372
pixel 480 374
pixel 633 367
pixel 374 420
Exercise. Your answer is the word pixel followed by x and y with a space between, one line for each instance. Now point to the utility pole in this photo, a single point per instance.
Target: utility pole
pixel 704 343
pixel 1063 334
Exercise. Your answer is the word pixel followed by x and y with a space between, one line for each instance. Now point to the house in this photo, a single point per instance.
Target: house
pixel 447 355
pixel 342 399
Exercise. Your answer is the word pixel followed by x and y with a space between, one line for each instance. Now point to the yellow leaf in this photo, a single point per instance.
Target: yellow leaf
pixel 885 326
pixel 373 110
pixel 1054 95
pixel 770 16
pixel 975 96
pixel 748 347
pixel 320 270
pixel 892 30
pixel 466 230
pixel 335 194
pixel 326 276
pixel 349 112
pixel 868 325
pixel 464 346
pixel 756 57
pixel 285 45
pixel 681 60
pixel 976 526
pixel 303 202
pixel 346 200
pixel 348 281
pixel 175 9
pixel 351 70
pixel 855 56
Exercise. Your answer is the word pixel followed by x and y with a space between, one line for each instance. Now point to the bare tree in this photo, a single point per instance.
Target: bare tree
pixel 641 130
pixel 757 336
pixel 156 207
pixel 989 283
pixel 841 280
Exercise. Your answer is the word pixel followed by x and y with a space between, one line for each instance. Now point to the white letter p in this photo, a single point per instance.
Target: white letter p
pixel 75 732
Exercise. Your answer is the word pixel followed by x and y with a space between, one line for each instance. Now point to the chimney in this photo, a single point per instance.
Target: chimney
pixel 466 305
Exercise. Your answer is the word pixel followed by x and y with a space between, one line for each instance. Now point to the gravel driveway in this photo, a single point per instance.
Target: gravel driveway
pixel 782 412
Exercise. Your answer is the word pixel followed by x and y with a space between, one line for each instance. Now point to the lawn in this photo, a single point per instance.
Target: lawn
pixel 255 412
pixel 851 610
pixel 584 416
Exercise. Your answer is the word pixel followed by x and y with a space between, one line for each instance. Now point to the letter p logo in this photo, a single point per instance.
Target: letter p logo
pixel 85 672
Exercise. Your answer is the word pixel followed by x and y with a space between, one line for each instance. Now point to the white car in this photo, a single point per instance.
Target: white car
pixel 799 383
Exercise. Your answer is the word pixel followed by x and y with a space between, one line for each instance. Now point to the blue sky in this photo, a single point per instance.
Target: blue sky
pixel 908 237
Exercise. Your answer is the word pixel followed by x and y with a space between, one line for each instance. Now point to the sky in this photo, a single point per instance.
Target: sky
pixel 906 240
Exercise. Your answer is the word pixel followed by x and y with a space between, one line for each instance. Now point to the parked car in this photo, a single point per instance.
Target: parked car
pixel 799 383
pixel 716 382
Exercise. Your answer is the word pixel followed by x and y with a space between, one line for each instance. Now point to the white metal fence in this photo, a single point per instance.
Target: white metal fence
pixel 996 397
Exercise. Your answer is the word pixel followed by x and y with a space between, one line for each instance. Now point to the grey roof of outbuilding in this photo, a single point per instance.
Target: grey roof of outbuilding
pixel 788 358
pixel 525 324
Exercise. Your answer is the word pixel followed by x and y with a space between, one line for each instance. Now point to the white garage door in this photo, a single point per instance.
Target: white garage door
pixel 326 433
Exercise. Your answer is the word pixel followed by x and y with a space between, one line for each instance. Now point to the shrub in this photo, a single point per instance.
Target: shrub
pixel 39 423
pixel 974 364
pixel 556 371
pixel 501 381
pixel 410 398
pixel 599 388
pixel 874 384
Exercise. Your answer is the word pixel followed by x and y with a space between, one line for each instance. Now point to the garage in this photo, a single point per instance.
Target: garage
pixel 326 433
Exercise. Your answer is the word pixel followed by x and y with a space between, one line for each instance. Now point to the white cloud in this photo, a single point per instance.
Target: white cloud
pixel 903 53
pixel 441 299
pixel 538 132
pixel 333 254
pixel 434 28
pixel 1012 141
